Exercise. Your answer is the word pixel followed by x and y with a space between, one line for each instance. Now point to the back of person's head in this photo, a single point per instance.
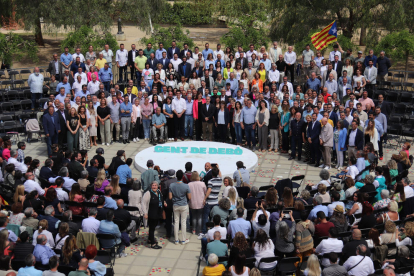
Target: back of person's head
pixel 262 219
pixel 188 167
pixel 59 181
pixel 179 174
pixel 226 273
pixel 93 212
pixel 100 201
pixel 91 252
pixel 110 215
pixel 333 232
pixel 63 172
pixel 303 215
pixel 254 190
pixel 29 260
pixel 3 221
pixel 333 257
pixel 4 262
pixel 255 272
pixel 67 215
pixel 53 262
pixel 128 161
pixel 215 172
pixel 108 190
pixel 240 212
pixel 321 215
pixel 24 236
pixel 216 220
pixel 318 200
pixel 403 252
pixel 361 250
pixel 335 195
pixel 353 160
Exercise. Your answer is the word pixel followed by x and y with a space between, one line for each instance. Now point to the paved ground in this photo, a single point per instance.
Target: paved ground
pixel 178 260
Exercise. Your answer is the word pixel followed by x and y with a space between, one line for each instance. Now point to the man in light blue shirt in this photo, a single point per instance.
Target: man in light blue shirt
pixel 234 83
pixel 125 112
pixel 110 203
pixel 109 227
pixel 124 171
pixel 266 62
pixel 239 225
pixel 317 202
pixel 158 122
pixel 42 252
pixel 29 270
pixel 248 123
pixel 65 84
pixel 189 119
pixel 207 51
pixel 313 82
pixel 158 52
pixel 66 59
pixel 62 95
pixel 91 224
pixel 307 112
pixel 106 76
pixel 35 83
pixel 83 93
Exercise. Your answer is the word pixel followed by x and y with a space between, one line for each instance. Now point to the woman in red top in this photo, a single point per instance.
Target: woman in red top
pixel 6 247
pixel 76 196
pixel 6 151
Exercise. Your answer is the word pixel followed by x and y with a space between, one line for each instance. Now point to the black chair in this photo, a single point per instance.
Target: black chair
pixel 365 232
pixel 250 262
pixel 104 257
pixel 66 269
pixel 398 76
pixel 223 259
pixel 121 224
pixel 112 250
pixel 6 108
pixel 392 96
pixel 17 264
pixel 41 266
pixel 297 178
pixel 268 260
pixel 286 266
pixel 131 208
pixel 343 235
pixel 26 105
pixel 317 240
pixel 89 204
pixel 265 188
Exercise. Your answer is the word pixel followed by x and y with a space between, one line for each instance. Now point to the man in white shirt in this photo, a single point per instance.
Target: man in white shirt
pixel 122 62
pixel 83 75
pixel 274 74
pixel 64 173
pixel 290 59
pixel 79 55
pixel 31 185
pixel 178 107
pixel 239 50
pixel 408 191
pixel 175 62
pixel 93 85
pixel 77 85
pixel 251 52
pixel 13 160
pixel 359 265
pixel 61 194
pixel 218 51
pixel 336 205
pixel 331 244
pixel 334 53
pixel 274 52
pixel 289 85
pixel 91 224
pixel 108 55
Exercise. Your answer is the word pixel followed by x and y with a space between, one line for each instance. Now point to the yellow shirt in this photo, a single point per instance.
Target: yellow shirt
pixel 133 91
pixel 329 121
pixel 213 271
pixel 100 63
pixel 226 73
pixel 262 75
pixel 140 62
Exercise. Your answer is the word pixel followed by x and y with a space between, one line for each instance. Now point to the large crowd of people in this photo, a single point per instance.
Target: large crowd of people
pixel 350 226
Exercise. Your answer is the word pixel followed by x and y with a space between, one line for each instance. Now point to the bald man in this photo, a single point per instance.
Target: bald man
pixel 326 142
pixel 35 83
pixel 125 216
pixel 350 248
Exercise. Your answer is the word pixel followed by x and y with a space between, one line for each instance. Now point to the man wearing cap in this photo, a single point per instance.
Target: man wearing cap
pixel 241 174
pixel 149 176
pixel 359 58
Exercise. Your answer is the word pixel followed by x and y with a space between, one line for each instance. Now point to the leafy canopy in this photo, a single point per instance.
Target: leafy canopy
pixel 168 35
pixel 397 45
pixel 16 47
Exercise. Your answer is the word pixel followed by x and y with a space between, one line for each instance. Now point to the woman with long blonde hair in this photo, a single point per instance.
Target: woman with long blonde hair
pixel 115 184
pixel 71 255
pixel 240 204
pixel 232 198
pixel 403 163
pixel 19 195
pixel 101 182
pixel 312 267
pixel 371 134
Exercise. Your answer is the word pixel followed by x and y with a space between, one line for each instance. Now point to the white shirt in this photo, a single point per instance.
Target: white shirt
pixel 81 57
pixel 17 164
pixel 352 171
pixel 237 55
pixel 60 241
pixel 77 86
pixel 175 63
pixel 84 77
pixel 178 105
pixel 332 206
pixel 365 267
pixel 408 191
pixel 31 185
pixel 274 75
pixel 93 86
pixel 68 182
pixel 222 230
pixel 249 54
pixel 290 87
pixel 215 53
pixel 90 225
pixel 290 58
pixel 352 136
pixel 122 57
pixel 332 55
pixel 107 55
pixel 61 194
pixel 327 246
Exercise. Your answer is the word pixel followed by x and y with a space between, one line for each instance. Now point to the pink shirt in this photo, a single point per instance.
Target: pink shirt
pixel 366 101
pixel 198 191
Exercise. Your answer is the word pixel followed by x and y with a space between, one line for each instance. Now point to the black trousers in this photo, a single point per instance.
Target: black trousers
pixel 315 151
pixel 168 220
pixel 285 140
pixel 123 73
pixel 381 143
pixel 152 223
pixel 291 69
pixel 132 72
pixel 222 130
pixel 179 125
pixel 296 141
pixel 198 129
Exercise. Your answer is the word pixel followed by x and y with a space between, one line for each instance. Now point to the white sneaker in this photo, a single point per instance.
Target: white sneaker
pixel 122 254
pixel 185 242
pixel 137 139
pixel 327 168
pixel 107 144
pixel 177 242
pixel 134 140
pixel 321 166
pixel 339 169
pixel 200 236
pixel 202 259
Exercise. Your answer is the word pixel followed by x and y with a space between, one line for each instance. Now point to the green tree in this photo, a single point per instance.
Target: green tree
pixel 97 14
pixel 398 45
pixel 85 36
pixel 345 43
pixel 167 35
pixel 15 47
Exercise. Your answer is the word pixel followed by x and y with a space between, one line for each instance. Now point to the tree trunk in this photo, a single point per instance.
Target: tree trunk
pixel 38 33
pixel 362 36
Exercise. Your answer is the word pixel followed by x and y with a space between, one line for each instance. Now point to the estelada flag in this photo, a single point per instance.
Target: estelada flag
pixel 325 37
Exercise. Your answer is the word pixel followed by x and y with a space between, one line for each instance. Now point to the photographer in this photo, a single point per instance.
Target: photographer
pixel 57 157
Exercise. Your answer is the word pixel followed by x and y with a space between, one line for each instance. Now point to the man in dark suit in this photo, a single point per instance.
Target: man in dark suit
pixel 55 67
pixel 52 128
pixel 183 52
pixel 173 50
pixel 184 69
pixel 337 66
pixel 130 95
pixel 62 114
pixel 121 214
pixel 207 116
pixel 314 129
pixel 385 106
pixel 198 70
pixel 75 167
pixel 131 60
pixel 153 62
pixel 332 115
pixel 164 60
pixel 243 61
pixel 46 170
pixel 354 140
pixel 67 74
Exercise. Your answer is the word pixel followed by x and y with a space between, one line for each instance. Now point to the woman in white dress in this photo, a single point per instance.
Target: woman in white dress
pixel 318 59
pixel 324 67
pixel 263 248
pixel 358 77
pixel 160 71
pixel 348 68
pixel 93 125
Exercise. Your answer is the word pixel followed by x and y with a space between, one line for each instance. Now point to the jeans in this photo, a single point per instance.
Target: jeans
pixel 197 218
pixel 147 124
pixel 73 140
pixel 339 156
pixel 180 214
pixel 126 123
pixel 206 213
pixel 188 126
pixel 107 85
pixel 238 130
pixel 36 96
pixel 138 74
pixel 250 139
pixel 52 139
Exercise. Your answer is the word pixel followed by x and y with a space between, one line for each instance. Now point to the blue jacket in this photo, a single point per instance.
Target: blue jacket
pixel 314 133
pixel 187 72
pixel 50 126
pixel 342 139
pixel 359 139
pixel 334 118
pixel 170 52
pixel 52 223
pixel 109 227
pixel 153 63
pixel 368 58
pixel 166 62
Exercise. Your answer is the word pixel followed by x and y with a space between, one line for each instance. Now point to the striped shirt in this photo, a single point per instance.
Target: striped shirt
pixel 215 185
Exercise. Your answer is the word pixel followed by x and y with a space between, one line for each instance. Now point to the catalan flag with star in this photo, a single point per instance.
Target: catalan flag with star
pixel 322 39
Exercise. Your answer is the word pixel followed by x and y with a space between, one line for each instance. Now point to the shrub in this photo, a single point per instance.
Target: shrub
pixel 167 35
